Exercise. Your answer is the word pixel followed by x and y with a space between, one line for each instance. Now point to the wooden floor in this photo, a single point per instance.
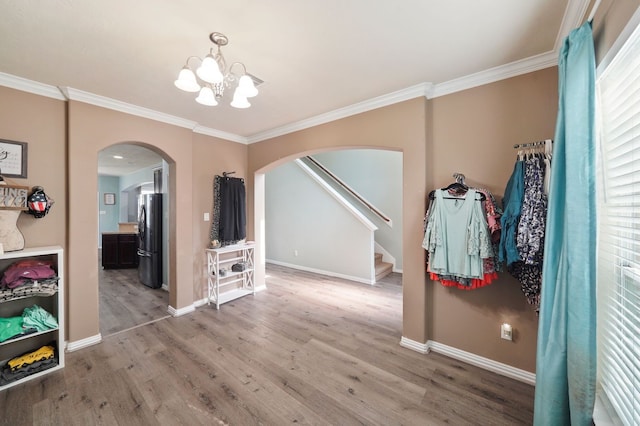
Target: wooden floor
pixel 309 350
pixel 125 302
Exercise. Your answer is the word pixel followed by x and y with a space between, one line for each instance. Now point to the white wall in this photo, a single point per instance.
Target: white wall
pixel 306 227
pixel 377 176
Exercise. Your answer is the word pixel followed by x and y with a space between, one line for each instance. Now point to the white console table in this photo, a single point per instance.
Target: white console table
pixel 223 284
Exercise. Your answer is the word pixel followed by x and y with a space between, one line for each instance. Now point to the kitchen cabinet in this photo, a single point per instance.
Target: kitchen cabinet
pixel 119 250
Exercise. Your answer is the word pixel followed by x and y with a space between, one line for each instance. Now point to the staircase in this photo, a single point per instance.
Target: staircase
pixel 382 268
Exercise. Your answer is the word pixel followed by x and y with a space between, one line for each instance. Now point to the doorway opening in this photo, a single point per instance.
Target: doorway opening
pixel 301 227
pixel 133 273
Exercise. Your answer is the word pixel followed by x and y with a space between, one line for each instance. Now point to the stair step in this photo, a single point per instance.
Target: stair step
pixel 383 269
pixel 377 257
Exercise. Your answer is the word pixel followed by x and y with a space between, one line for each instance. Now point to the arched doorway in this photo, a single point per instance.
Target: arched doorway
pixel 90 130
pixel 337 213
pixel 402 127
pixel 129 174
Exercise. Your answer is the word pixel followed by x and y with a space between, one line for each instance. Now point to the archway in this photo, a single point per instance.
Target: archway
pixel 129 172
pixel 92 129
pixel 401 127
pixel 331 212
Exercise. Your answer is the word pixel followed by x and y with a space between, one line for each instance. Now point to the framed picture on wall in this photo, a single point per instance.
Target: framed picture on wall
pixel 109 198
pixel 13 159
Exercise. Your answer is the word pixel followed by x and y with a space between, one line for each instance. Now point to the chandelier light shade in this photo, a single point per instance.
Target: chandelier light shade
pixel 212 77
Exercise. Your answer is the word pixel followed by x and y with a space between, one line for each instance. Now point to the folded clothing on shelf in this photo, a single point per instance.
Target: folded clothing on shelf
pixel 26 270
pixel 239 267
pixel 27 364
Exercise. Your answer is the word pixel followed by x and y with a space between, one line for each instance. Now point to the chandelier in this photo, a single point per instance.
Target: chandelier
pixel 213 77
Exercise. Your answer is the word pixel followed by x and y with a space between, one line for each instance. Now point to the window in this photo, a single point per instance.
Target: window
pixel 619 233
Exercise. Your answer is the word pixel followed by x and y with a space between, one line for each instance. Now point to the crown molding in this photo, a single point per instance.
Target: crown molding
pixel 572 18
pixel 513 69
pixel 412 92
pixel 113 104
pixel 220 134
pixel 22 84
pixel 428 90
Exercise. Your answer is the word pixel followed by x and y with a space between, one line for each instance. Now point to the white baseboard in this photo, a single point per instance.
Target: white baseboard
pixel 182 311
pixel 83 343
pixel 321 272
pixel 423 348
pixel 470 358
pixel 200 302
pixel 263 287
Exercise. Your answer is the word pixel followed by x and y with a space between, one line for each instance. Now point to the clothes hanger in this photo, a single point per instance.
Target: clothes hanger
pixel 456 188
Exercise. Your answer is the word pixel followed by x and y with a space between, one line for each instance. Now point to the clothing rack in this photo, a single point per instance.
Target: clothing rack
pixel 531 144
pixel 227 175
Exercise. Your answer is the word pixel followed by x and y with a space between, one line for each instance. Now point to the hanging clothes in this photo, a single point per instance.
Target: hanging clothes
pixel 457 240
pixel 512 206
pixel 523 221
pixel 533 214
pixel 229 210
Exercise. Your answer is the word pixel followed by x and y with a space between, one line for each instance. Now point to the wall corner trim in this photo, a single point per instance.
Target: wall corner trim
pixel 220 134
pixel 83 343
pixel 469 358
pixel 181 311
pixel 422 348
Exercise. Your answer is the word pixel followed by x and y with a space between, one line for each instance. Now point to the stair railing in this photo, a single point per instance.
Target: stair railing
pixel 349 190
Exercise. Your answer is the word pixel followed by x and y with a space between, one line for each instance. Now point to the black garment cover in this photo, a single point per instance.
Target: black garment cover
pixel 233 216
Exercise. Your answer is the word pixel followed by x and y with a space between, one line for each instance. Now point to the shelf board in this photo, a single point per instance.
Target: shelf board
pixel 28 336
pixel 228 296
pixel 32 376
pixel 32 251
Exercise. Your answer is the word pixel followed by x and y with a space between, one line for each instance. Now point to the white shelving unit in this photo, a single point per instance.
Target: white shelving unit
pixel 231 285
pixel 53 304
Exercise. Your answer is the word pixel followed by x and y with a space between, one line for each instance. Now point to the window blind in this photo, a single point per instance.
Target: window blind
pixel 619 233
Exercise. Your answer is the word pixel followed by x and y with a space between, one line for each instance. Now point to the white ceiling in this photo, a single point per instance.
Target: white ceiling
pixel 134 158
pixel 315 56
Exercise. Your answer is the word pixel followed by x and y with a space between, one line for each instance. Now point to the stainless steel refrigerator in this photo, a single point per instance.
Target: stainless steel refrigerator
pixel 150 240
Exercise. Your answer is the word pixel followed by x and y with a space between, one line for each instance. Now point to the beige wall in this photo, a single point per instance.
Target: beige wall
pixel 40 122
pixel 473 133
pixel 610 19
pixel 211 157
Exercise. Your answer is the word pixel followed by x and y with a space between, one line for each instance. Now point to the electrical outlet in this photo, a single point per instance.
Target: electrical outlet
pixel 295 252
pixel 506 332
pixel 206 217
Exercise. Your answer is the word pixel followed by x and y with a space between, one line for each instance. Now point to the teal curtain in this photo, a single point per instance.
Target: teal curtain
pixel 566 353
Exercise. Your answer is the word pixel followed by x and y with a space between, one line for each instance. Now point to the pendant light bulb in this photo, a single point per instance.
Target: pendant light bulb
pixel 246 86
pixel 187 80
pixel 206 97
pixel 239 100
pixel 209 70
